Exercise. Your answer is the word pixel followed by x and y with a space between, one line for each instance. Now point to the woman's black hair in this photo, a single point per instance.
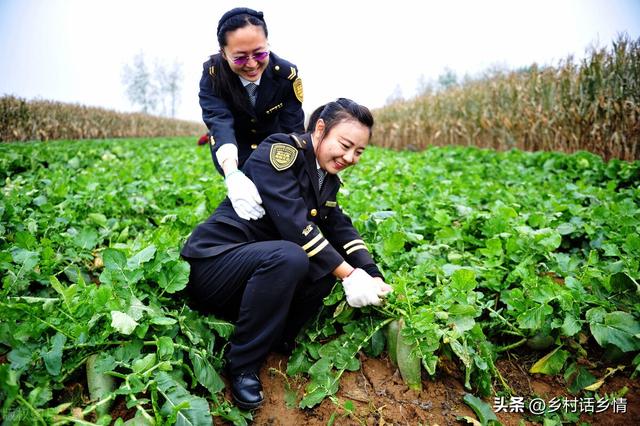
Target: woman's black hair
pixel 342 109
pixel 226 83
pixel 313 118
pixel 239 18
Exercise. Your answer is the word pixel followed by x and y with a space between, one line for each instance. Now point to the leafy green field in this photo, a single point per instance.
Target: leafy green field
pixel 487 252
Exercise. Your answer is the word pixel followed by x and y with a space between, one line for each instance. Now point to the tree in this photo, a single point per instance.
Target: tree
pixel 447 79
pixel 169 80
pixel 153 91
pixel 140 88
pixel 396 96
pixel 424 87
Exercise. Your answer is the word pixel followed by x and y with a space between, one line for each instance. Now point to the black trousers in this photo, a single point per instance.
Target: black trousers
pixel 262 287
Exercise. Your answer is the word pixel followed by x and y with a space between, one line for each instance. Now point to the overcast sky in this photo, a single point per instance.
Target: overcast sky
pixel 74 50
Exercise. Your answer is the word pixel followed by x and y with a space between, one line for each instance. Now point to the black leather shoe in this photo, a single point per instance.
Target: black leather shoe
pixel 247 390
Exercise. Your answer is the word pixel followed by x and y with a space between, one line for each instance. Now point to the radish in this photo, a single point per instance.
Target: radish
pixel 408 361
pixel 100 385
pixel 392 340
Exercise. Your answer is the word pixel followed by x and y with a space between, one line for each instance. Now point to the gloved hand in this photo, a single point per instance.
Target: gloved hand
pixel 362 290
pixel 384 288
pixel 244 196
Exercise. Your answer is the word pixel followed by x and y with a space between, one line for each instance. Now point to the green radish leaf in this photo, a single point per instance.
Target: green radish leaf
pixel 163 321
pixel 617 328
pixel 314 398
pixel 25 258
pixel 175 278
pixel 482 409
pixel 143 256
pixel 223 328
pixel 98 219
pixel 143 364
pixel 570 326
pixel 552 363
pixel 188 410
pixel 535 318
pixel 123 322
pixel 578 378
pixel 40 396
pixel 9 379
pixel 205 373
pixel 86 239
pixel 53 357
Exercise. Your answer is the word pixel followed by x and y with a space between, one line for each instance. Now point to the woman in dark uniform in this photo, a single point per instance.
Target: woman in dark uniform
pixel 271 275
pixel 246 93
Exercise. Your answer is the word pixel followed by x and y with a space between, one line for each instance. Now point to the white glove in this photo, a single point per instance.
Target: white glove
pixel 244 196
pixel 362 290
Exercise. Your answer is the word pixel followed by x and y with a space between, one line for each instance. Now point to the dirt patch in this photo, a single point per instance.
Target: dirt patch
pixel 515 369
pixel 376 395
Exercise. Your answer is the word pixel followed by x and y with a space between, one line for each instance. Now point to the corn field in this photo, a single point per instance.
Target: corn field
pixel 22 120
pixel 593 105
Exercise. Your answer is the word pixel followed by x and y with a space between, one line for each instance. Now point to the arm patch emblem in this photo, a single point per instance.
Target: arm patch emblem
pixel 297 89
pixel 282 156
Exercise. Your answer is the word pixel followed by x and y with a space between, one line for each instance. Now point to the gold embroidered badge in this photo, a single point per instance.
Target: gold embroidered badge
pixel 282 156
pixel 297 89
pixel 331 203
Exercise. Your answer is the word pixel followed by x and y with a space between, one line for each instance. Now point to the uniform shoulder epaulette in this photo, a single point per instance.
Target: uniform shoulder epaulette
pixel 286 69
pixel 210 65
pixel 299 142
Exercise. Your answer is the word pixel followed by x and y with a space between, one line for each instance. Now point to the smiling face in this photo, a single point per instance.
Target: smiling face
pixel 342 147
pixel 246 42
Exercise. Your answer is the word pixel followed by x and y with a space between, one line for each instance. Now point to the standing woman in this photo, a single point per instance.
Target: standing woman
pixel 270 275
pixel 246 93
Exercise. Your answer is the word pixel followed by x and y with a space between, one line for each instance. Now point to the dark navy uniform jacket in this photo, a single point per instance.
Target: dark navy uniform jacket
pixel 278 109
pixel 295 211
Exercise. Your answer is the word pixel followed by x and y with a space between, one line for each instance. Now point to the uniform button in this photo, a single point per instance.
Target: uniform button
pixel 314 212
pixel 254 146
pixel 277 67
pixel 253 131
pixel 253 120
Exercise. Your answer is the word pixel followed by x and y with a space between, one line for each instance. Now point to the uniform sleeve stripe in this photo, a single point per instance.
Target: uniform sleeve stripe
pixel 312 242
pixel 317 249
pixel 358 247
pixel 350 243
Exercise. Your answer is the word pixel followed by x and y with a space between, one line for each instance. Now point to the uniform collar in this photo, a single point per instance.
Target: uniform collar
pixel 245 82
pixel 314 152
pixel 331 182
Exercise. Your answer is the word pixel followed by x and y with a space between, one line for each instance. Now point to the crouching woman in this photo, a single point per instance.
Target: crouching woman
pixel 270 275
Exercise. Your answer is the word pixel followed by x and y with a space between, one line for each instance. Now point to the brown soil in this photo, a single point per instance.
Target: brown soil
pixel 379 397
